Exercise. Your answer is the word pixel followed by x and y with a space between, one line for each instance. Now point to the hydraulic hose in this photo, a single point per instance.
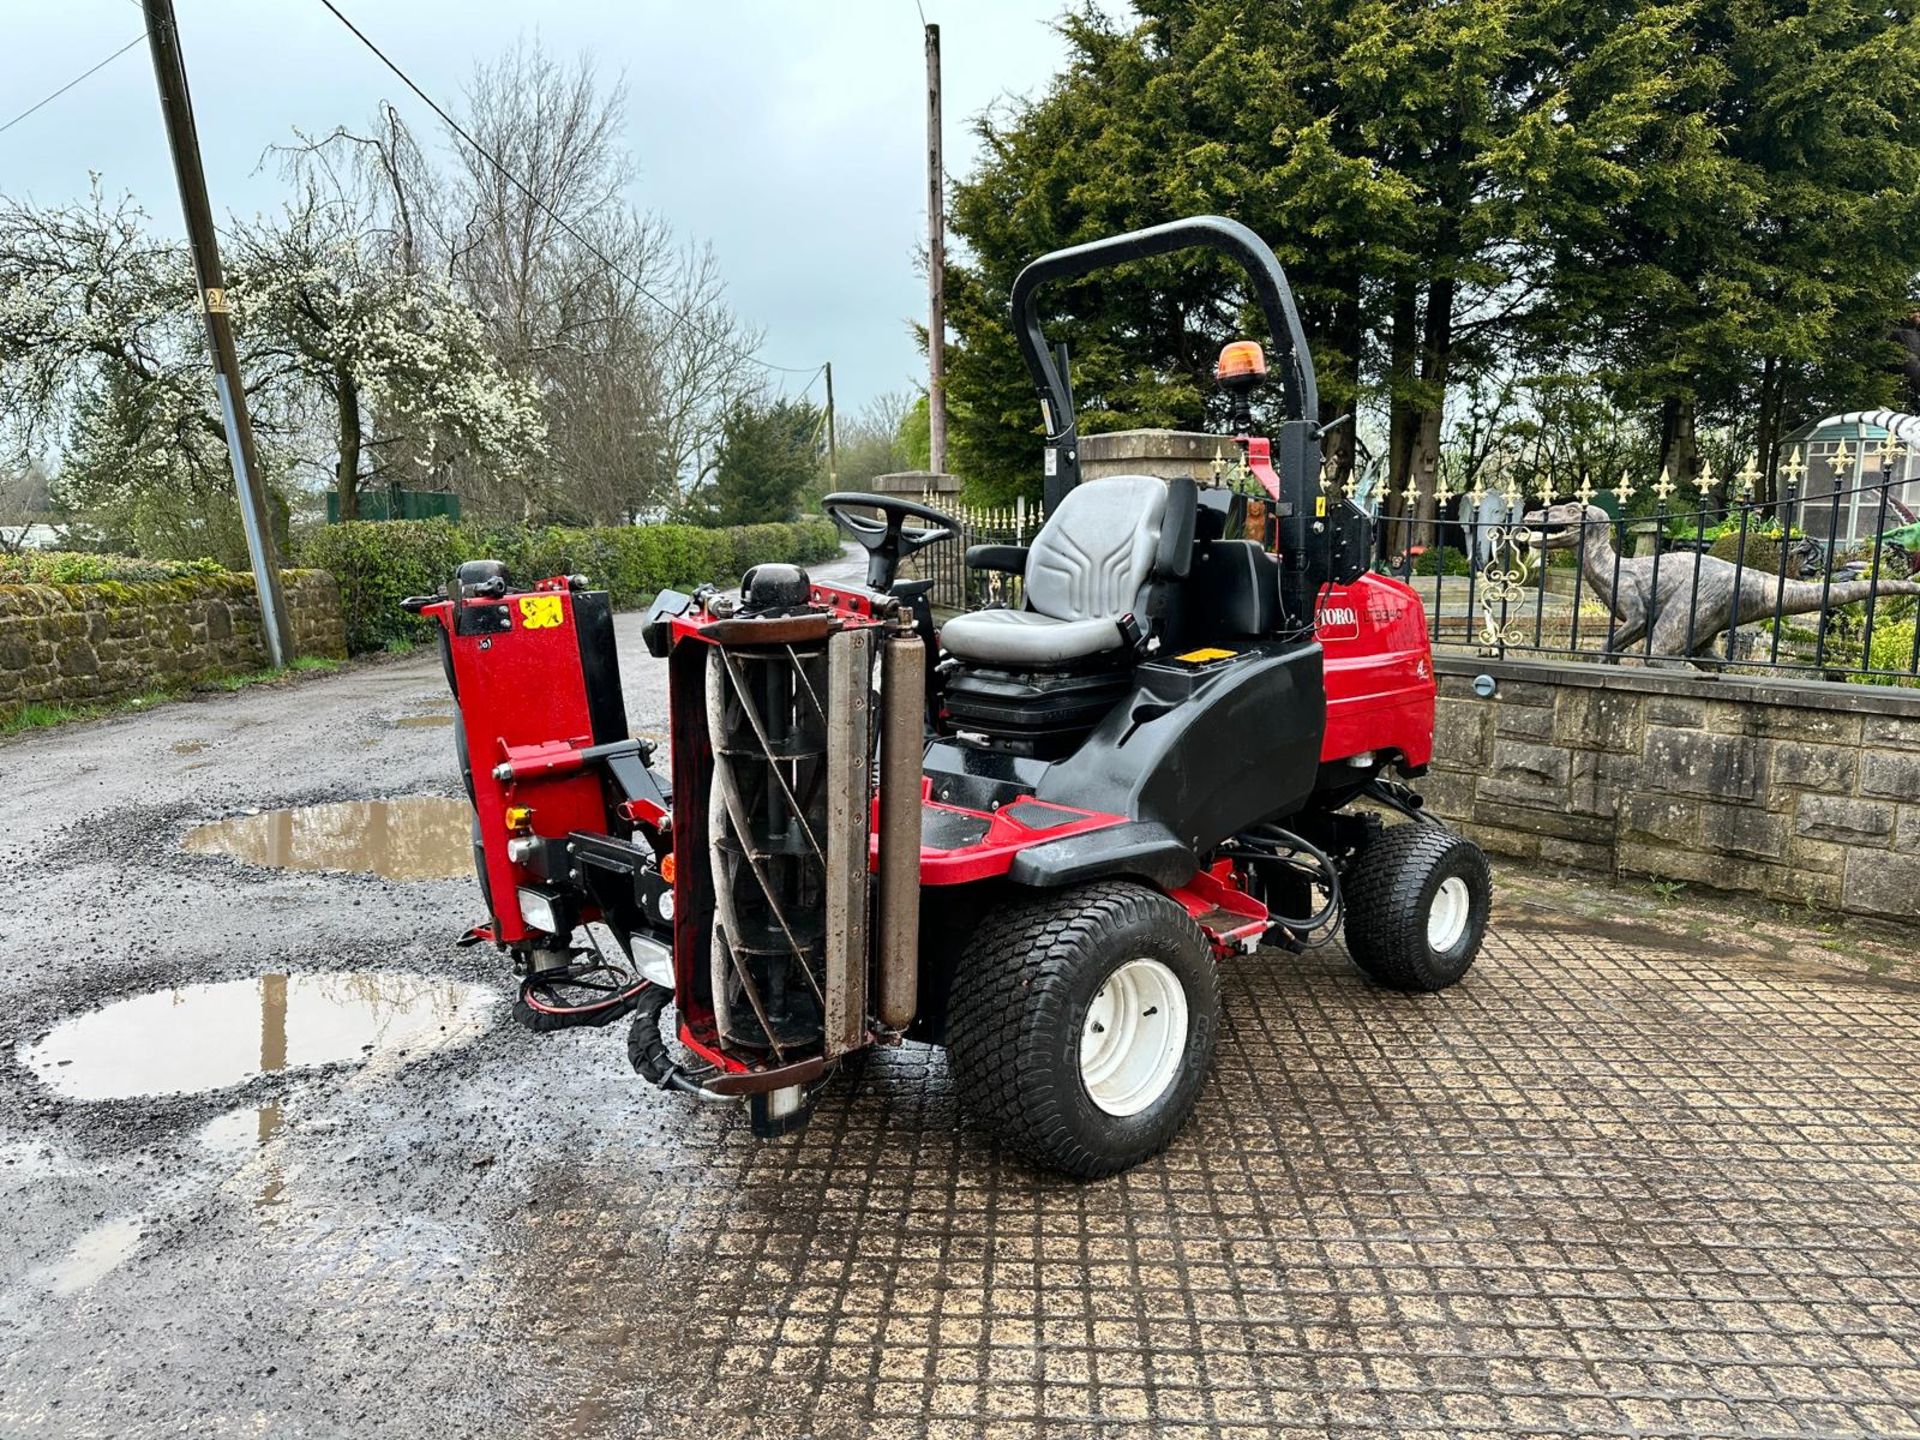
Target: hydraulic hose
pixel 1327 918
pixel 647 1051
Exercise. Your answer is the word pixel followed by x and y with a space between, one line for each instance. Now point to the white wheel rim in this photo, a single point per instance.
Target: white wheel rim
pixel 1447 919
pixel 1134 1037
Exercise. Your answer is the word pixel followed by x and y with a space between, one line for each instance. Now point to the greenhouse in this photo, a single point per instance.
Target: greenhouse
pixel 1879 446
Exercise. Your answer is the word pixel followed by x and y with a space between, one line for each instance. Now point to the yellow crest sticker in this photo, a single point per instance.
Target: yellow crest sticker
pixel 540 612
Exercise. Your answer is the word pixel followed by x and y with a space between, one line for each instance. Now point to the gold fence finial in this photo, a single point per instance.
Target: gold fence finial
pixel 1795 468
pixel 1625 490
pixel 1663 487
pixel 1842 460
pixel 1748 478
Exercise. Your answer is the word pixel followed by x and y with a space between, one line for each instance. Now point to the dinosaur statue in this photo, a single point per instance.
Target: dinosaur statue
pixel 1640 606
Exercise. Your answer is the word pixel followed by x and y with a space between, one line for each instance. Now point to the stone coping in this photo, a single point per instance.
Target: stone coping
pixel 1741 689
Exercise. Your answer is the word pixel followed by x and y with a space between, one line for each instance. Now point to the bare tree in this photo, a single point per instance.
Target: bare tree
pixel 624 329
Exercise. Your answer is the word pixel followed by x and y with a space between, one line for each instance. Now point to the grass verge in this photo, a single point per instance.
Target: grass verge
pixel 19 719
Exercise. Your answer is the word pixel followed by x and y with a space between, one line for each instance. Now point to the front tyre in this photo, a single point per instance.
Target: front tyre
pixel 1081 1025
pixel 1417 900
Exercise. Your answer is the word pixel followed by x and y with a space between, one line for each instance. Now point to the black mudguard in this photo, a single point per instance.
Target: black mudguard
pixel 1142 848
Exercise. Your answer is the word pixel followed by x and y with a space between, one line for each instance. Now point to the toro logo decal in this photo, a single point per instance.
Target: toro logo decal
pixel 1337 622
pixel 540 612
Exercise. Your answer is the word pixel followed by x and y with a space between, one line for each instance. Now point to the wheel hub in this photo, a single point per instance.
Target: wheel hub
pixel 1447 916
pixel 1134 1037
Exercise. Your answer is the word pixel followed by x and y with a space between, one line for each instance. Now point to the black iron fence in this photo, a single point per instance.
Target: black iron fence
pixel 1725 582
pixel 955 587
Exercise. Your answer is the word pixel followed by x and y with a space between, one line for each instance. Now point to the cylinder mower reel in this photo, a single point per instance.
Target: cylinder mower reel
pixel 1030 834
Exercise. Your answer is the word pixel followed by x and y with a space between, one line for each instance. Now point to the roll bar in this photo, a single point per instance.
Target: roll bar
pixel 1212 232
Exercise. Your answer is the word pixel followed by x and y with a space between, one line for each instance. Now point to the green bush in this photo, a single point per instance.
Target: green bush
pixel 1762 551
pixel 1441 560
pixel 81 567
pixel 378 564
pixel 1892 650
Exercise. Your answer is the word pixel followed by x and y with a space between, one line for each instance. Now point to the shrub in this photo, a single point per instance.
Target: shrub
pixel 1762 551
pixel 1892 650
pixel 80 567
pixel 1441 560
pixel 379 564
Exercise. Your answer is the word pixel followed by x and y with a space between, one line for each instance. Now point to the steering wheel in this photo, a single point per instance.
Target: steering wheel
pixel 885 540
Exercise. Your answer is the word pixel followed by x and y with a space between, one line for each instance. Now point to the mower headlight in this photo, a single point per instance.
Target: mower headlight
pixel 537 910
pixel 653 960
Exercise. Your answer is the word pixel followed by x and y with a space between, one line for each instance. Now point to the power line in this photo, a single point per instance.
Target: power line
pixel 679 317
pixel 42 104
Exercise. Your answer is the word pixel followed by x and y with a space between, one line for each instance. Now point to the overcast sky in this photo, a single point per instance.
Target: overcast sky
pixel 789 133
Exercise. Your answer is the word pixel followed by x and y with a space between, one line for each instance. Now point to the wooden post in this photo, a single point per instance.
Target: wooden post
pixel 833 444
pixel 936 268
pixel 170 71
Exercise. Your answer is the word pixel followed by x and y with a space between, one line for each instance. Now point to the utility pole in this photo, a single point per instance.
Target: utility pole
pixel 936 267
pixel 176 108
pixel 833 440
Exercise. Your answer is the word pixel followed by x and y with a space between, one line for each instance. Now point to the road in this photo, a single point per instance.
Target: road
pixel 1618 1183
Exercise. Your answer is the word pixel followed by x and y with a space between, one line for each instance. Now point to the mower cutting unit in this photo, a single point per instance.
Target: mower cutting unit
pixel 1028 835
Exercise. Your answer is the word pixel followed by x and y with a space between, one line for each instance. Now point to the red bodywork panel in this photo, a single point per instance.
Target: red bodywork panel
pixel 1379 670
pixel 521 694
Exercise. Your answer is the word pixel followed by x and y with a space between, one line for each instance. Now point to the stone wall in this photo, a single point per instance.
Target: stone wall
pixel 1165 453
pixel 86 644
pixel 1804 793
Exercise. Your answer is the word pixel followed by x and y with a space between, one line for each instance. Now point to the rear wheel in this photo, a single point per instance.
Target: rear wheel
pixel 1082 1023
pixel 1417 899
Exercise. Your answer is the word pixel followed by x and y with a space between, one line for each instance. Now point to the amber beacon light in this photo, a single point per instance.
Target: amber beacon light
pixel 1241 360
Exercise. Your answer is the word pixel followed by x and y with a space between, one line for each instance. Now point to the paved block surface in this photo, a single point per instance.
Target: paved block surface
pixel 1595 1190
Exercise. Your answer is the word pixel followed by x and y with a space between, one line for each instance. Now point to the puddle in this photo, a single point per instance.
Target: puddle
pixel 94 1255
pixel 237 1134
pixel 417 837
pixel 207 1037
pixel 423 722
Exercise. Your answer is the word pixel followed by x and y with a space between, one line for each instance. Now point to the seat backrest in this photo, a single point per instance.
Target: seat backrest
pixel 1233 594
pixel 1105 542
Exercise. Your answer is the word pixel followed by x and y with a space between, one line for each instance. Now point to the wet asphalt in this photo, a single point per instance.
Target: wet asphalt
pixel 1602 1188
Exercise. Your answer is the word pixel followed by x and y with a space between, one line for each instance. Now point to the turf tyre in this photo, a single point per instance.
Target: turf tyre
pixel 1409 881
pixel 1021 997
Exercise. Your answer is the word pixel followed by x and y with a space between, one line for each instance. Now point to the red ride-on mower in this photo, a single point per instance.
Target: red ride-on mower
pixel 1028 837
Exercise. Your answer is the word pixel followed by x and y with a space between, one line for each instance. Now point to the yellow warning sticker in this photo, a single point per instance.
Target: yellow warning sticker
pixel 1320 506
pixel 540 612
pixel 1198 657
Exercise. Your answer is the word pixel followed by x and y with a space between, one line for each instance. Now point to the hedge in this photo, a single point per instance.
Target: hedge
pixel 379 563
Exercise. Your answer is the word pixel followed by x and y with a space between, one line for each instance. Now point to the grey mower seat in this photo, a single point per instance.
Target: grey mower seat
pixel 1095 562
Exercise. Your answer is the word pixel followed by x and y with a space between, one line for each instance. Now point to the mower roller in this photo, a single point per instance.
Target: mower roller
pixel 1027 835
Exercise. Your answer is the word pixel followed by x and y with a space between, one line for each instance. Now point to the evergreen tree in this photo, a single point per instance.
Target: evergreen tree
pixel 767 457
pixel 1709 206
